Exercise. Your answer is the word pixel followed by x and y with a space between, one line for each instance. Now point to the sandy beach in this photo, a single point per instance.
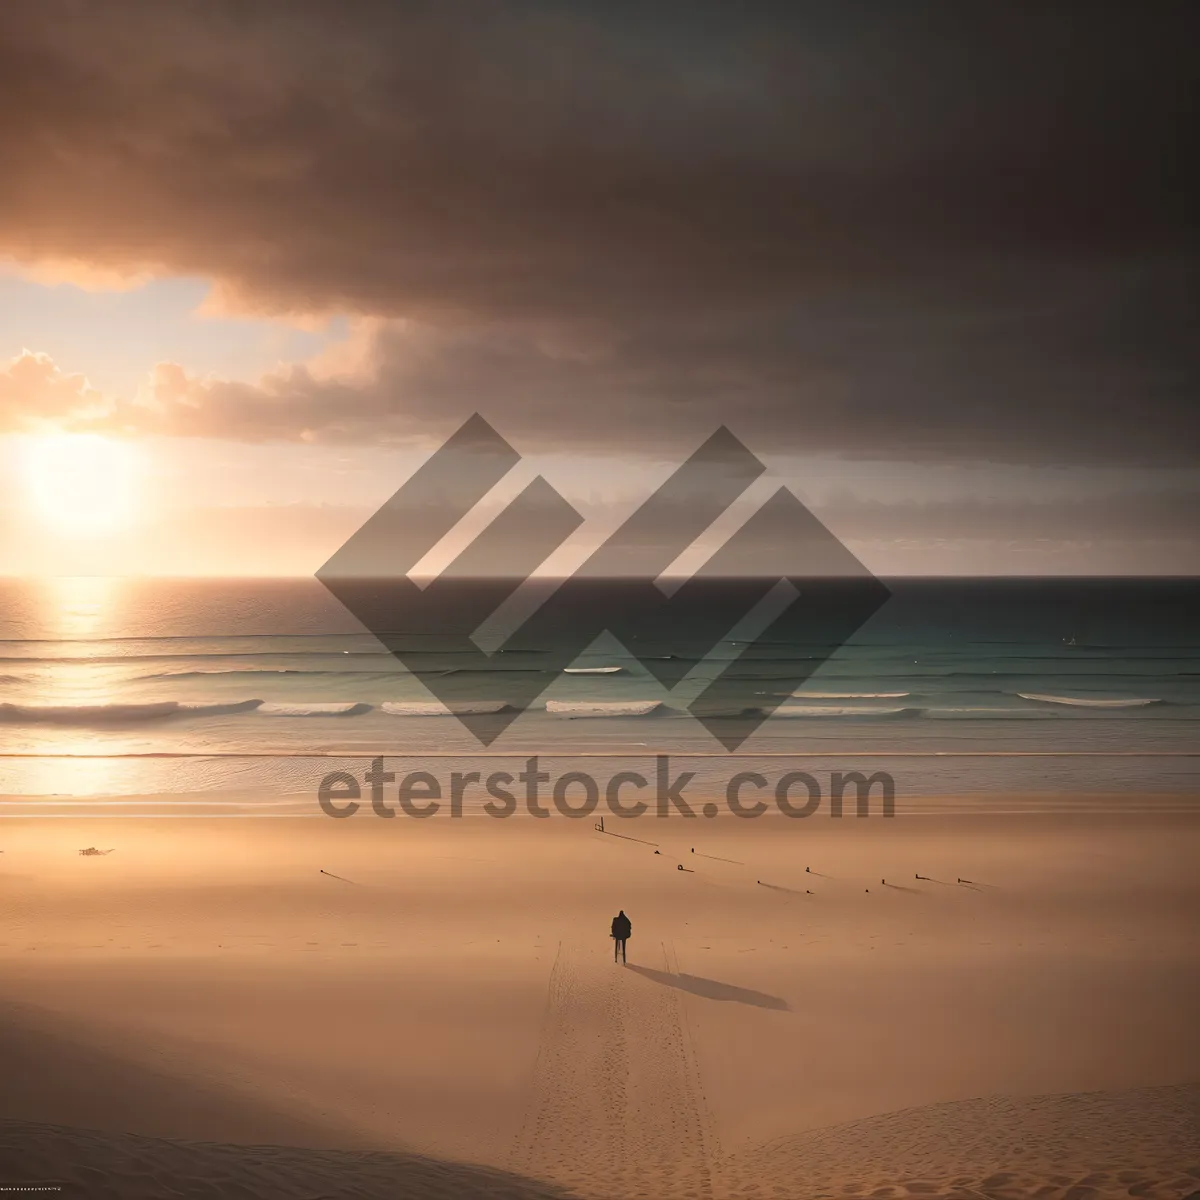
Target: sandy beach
pixel 231 1007
pixel 424 427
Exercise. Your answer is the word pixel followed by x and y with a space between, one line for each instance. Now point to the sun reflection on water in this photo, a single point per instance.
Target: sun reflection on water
pixel 76 610
pixel 72 671
pixel 79 608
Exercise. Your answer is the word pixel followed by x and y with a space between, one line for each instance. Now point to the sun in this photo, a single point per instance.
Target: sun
pixel 81 482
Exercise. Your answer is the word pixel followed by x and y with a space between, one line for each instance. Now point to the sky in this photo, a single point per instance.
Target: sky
pixel 936 265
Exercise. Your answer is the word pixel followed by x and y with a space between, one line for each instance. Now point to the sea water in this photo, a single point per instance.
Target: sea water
pixel 243 694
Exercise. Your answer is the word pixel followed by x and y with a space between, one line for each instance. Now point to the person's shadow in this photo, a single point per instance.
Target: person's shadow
pixel 711 989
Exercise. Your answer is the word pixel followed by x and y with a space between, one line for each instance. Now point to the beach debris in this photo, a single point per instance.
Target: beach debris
pixel 808 891
pixel 658 852
pixel 689 870
pixel 924 877
pixel 807 870
pixel 971 882
pixel 339 878
pixel 599 827
pixel 91 852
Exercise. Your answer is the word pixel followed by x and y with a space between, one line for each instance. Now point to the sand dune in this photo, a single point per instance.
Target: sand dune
pixel 126 1167
pixel 1143 1142
pixel 1085 1146
pixel 103 1093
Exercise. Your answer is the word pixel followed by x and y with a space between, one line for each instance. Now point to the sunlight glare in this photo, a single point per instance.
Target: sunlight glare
pixel 82 483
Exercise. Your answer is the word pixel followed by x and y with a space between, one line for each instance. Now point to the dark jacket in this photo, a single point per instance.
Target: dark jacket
pixel 621 928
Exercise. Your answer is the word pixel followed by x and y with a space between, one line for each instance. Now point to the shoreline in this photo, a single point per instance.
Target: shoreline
pixel 305 806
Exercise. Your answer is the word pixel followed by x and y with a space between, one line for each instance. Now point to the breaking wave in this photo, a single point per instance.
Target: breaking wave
pixel 597 708
pixel 1042 706
pixel 987 712
pixel 207 673
pixel 348 708
pixel 824 710
pixel 1091 702
pixel 434 708
pixel 104 714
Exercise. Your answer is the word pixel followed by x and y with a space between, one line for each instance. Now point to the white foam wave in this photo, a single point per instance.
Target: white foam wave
pixel 1091 701
pixel 434 708
pixel 95 714
pixel 598 708
pixel 985 712
pixel 592 670
pixel 338 709
pixel 201 672
pixel 826 710
pixel 805 695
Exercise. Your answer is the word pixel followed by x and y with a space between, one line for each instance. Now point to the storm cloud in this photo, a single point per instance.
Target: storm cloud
pixel 922 231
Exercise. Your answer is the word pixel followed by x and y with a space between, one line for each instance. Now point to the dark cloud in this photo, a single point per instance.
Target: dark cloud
pixel 1121 515
pixel 921 230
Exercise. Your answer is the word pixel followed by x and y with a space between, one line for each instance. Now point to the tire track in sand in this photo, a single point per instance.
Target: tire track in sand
pixel 616 1107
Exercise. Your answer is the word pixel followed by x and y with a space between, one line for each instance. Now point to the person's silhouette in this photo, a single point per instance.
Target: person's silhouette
pixel 621 931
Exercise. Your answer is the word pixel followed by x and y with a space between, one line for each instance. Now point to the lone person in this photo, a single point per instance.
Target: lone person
pixel 621 929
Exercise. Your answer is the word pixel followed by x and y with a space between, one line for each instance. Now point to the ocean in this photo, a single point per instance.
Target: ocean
pixel 240 696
